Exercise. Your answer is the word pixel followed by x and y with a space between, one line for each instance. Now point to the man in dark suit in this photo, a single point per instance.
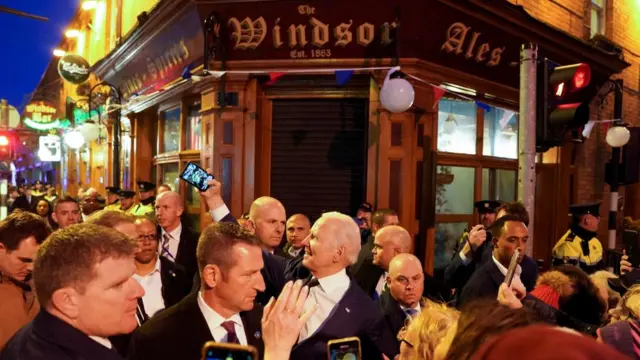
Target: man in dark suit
pixel 372 272
pixel 177 243
pixel 403 300
pixel 380 219
pixel 230 260
pixel 343 308
pixel 81 307
pixel 298 228
pixel 475 247
pixel 510 235
pixel 165 283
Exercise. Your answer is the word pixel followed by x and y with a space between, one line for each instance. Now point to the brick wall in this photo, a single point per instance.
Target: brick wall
pixel 623 28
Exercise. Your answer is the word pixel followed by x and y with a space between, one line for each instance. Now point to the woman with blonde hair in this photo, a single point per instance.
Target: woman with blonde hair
pixel 425 331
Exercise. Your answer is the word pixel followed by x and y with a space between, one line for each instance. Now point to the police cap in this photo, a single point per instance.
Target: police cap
pixel 584 209
pixel 487 206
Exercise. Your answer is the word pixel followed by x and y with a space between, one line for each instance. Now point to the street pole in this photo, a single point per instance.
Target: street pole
pixel 116 129
pixel 615 167
pixel 526 137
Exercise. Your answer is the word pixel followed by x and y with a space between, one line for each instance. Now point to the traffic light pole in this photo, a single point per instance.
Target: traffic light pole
pixel 615 168
pixel 527 127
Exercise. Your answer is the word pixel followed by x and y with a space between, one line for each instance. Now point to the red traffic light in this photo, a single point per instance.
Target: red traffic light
pixel 582 77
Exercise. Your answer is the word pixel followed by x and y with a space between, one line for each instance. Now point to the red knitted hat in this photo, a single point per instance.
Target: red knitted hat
pixel 547 294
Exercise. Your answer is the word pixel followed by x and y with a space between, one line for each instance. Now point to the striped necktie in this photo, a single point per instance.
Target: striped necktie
pixel 165 247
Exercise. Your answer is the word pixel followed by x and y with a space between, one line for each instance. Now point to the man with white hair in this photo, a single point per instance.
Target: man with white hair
pixel 343 309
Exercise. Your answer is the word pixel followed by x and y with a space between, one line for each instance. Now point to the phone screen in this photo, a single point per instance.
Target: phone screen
pixel 228 354
pixel 348 350
pixel 196 176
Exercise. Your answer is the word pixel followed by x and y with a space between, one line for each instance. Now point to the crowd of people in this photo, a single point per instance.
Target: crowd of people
pixel 134 280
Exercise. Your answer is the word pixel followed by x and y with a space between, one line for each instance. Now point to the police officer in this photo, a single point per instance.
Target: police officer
pixel 471 247
pixel 579 246
pixel 146 192
pixel 127 201
pixel 113 198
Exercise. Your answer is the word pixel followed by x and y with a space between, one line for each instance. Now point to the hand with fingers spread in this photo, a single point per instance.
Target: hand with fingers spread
pixel 283 319
pixel 213 195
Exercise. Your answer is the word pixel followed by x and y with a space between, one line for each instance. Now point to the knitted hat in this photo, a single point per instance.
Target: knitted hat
pixel 620 335
pixel 551 286
pixel 548 295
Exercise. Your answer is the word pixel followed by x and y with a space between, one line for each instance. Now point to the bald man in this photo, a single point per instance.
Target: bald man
pixel 267 219
pixel 298 228
pixel 177 243
pixel 406 285
pixel 389 241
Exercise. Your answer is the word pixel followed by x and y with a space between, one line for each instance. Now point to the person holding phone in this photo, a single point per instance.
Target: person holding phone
pixel 510 235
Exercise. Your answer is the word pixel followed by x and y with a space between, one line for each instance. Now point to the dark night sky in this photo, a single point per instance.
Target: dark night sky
pixel 26 44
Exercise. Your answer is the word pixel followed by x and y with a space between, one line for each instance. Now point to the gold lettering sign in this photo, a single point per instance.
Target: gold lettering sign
pixel 459 41
pixel 249 33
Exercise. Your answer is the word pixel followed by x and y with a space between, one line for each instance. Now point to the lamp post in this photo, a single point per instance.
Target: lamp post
pixel 116 129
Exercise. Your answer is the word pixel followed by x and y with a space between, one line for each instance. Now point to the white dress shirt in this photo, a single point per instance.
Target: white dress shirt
pixel 381 282
pixel 174 241
pixel 330 291
pixel 219 213
pixel 504 270
pixel 152 285
pixel 215 320
pixel 102 341
pixel 294 252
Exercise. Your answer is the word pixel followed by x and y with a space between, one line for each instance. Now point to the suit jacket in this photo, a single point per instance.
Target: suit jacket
pixel 180 332
pixel 175 286
pixel 392 312
pixel 365 254
pixel 175 282
pixel 49 338
pixel 484 283
pixel 354 315
pixel 368 275
pixel 186 256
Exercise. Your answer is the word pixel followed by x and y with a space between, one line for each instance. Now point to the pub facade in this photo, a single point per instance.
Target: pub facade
pixel 271 118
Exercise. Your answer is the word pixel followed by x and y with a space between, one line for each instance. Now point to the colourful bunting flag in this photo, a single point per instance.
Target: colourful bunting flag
pixel 343 76
pixel 274 76
pixel 482 105
pixel 438 93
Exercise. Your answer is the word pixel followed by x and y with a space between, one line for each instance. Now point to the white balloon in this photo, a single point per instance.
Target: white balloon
pixel 90 131
pixel 74 139
pixel 397 95
pixel 618 136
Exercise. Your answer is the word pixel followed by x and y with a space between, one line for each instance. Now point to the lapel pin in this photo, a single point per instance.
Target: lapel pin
pixel 348 310
pixel 257 334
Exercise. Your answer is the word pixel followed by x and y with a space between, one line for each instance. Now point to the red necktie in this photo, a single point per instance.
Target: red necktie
pixel 230 327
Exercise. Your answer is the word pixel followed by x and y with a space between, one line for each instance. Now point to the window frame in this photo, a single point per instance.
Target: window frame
pixel 602 17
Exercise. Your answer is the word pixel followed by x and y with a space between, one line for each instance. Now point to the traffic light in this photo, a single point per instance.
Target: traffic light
pixel 563 97
pixel 6 147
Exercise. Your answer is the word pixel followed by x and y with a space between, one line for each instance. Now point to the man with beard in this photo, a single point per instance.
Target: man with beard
pixel 147 199
pixel 165 283
pixel 21 233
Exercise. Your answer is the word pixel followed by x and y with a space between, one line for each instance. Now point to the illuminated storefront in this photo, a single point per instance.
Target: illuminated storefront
pixel 289 131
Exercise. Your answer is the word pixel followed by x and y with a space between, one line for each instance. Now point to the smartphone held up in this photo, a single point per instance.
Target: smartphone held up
pixel 196 176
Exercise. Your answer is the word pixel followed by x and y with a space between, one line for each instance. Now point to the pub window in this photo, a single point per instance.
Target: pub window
pixel 454 190
pixel 499 184
pixel 447 234
pixel 169 173
pixel 457 121
pixel 193 124
pixel 597 17
pixel 125 143
pixel 500 133
pixel 170 130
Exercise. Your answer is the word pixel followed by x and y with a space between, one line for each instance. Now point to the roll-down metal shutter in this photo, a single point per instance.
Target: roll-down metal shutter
pixel 318 155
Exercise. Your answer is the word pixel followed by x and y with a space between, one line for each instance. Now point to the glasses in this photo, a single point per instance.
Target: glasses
pixel 149 237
